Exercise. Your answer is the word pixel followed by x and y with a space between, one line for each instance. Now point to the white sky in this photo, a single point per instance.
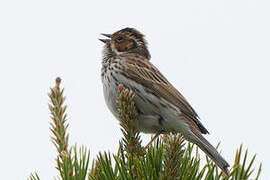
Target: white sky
pixel 215 52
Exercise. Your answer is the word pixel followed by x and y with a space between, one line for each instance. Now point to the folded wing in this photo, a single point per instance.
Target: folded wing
pixel 143 72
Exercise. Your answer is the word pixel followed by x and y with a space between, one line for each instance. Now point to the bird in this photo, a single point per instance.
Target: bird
pixel 161 107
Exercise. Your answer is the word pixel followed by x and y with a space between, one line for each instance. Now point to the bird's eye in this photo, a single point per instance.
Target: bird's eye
pixel 119 39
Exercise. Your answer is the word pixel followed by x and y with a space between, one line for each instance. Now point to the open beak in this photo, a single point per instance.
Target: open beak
pixel 106 40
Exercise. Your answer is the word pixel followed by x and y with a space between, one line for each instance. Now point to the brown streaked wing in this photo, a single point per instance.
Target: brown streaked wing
pixel 143 72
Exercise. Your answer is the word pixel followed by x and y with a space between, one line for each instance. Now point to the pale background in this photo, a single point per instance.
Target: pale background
pixel 215 52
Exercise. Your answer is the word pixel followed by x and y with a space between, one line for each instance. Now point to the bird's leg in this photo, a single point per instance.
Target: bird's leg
pixel 156 135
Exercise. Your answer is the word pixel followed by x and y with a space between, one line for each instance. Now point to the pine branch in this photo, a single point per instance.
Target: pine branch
pixel 70 163
pixel 59 130
pixel 128 114
pixel 173 145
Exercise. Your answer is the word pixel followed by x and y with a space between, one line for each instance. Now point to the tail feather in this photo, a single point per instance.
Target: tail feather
pixel 206 147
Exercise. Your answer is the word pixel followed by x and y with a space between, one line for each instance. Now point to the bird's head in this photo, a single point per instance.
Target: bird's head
pixel 126 41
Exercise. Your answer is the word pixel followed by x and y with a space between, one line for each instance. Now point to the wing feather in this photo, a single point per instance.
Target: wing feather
pixel 143 72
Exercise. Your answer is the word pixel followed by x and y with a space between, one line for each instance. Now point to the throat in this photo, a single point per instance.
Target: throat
pixel 107 54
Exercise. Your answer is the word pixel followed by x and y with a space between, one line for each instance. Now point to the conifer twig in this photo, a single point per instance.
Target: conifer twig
pixel 173 145
pixel 128 115
pixel 59 130
pixel 72 164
